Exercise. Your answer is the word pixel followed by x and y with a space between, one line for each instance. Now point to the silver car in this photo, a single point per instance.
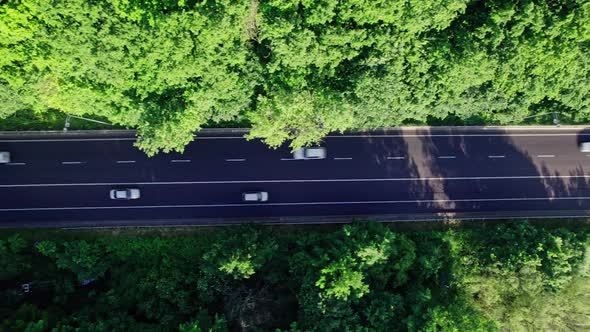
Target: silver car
pixel 4 157
pixel 126 194
pixel 257 196
pixel 310 153
pixel 585 147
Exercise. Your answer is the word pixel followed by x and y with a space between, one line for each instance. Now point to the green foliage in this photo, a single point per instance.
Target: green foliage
pixel 294 70
pixel 558 311
pixel 522 247
pixel 218 325
pixel 86 260
pixel 339 279
pixel 12 257
pixel 358 277
pixel 302 117
pixel 457 317
pixel 128 61
pixel 513 270
pixel 240 254
pixel 27 318
pixel 339 272
pixel 117 322
pixel 157 277
pixel 26 119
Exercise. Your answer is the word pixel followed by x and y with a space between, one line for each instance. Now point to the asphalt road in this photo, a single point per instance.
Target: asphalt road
pixel 415 173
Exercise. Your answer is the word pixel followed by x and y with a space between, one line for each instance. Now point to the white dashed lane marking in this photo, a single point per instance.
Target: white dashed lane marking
pixel 447 157
pixel 15 164
pixel 396 158
pixel 72 162
pixel 125 161
pixel 546 156
pixel 236 159
pixel 342 158
pixel 180 161
pixel 496 156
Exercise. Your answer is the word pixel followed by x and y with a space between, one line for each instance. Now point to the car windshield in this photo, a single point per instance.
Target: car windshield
pixel 120 194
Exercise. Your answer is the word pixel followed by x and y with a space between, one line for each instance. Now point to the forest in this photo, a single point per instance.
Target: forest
pixel 294 71
pixel 513 276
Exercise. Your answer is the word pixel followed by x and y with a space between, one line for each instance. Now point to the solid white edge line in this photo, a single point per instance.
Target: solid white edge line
pixel 521 177
pixel 435 217
pixel 329 136
pixel 456 135
pixel 65 140
pixel 98 139
pixel 546 156
pixel 509 199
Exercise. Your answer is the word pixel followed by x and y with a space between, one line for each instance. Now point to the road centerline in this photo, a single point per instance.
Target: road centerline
pixel 522 177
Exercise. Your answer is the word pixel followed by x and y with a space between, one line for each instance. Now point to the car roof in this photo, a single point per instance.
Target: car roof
pixel 315 151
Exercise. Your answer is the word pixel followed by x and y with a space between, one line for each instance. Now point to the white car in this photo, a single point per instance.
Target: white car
pixel 310 153
pixel 4 157
pixel 585 147
pixel 130 193
pixel 258 196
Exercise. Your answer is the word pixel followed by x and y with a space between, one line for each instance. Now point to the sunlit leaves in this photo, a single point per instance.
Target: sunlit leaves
pixel 295 70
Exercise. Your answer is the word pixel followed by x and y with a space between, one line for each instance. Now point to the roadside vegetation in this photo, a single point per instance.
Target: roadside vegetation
pixel 53 120
pixel 517 276
pixel 294 70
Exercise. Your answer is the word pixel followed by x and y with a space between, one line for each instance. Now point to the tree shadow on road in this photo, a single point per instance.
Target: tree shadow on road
pixel 523 182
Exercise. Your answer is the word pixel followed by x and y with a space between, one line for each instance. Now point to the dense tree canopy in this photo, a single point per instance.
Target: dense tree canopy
pixel 359 277
pixel 164 69
pixel 295 70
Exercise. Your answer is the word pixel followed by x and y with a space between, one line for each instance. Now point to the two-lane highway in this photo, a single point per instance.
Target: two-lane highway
pixel 66 178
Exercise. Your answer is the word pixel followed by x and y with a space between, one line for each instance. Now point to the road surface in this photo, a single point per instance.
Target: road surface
pixel 65 179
